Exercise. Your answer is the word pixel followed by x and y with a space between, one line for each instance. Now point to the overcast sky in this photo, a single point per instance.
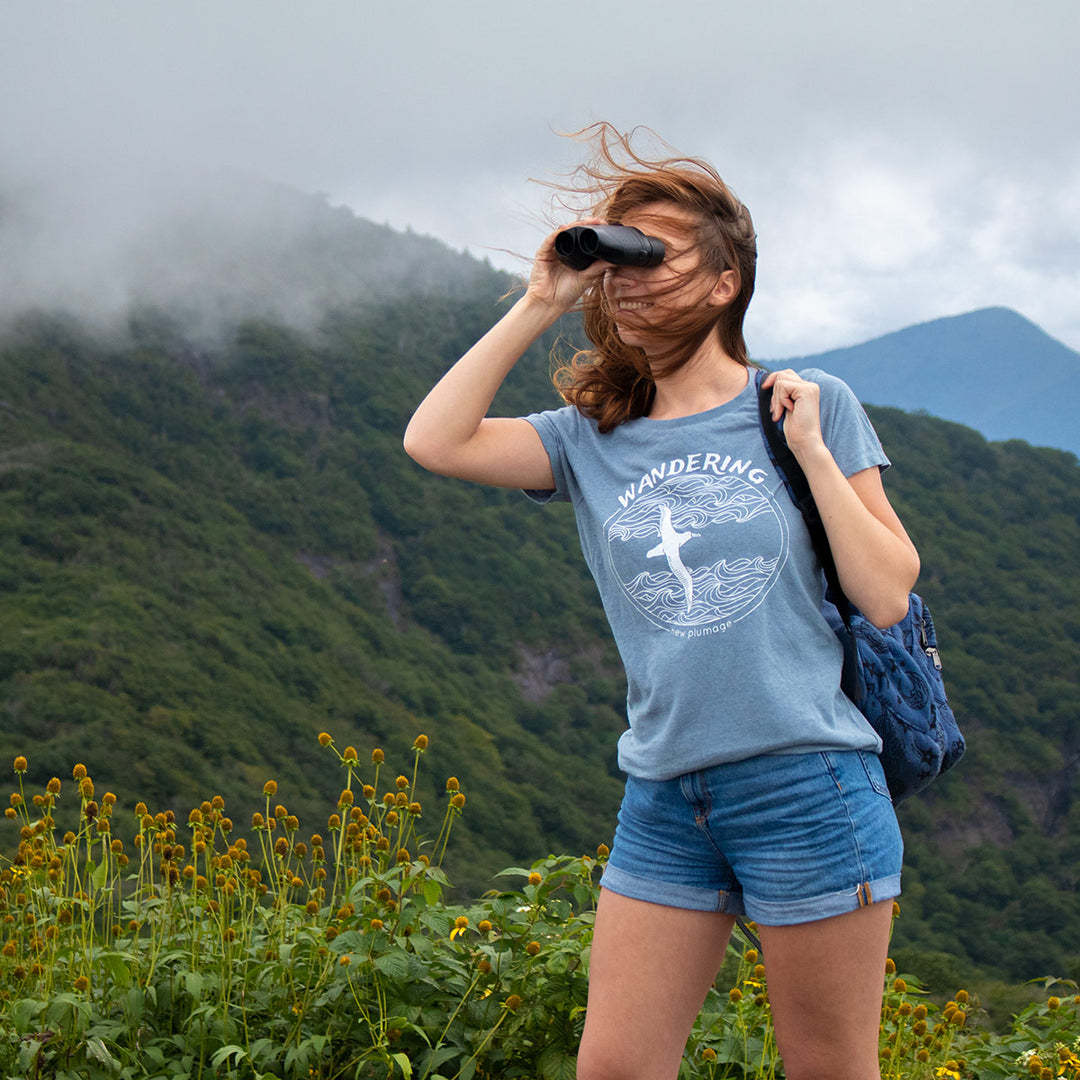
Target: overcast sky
pixel 902 161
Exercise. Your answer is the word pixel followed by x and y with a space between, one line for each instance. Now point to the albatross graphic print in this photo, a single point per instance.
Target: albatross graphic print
pixel 698 550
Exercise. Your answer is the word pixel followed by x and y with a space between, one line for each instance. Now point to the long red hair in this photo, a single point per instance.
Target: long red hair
pixel 614 382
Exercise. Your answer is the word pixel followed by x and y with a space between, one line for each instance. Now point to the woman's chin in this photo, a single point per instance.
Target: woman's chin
pixel 632 335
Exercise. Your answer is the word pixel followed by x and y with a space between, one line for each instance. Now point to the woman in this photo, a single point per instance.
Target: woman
pixel 753 784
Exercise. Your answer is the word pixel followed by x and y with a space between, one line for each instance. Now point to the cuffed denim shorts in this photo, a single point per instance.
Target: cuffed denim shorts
pixel 780 839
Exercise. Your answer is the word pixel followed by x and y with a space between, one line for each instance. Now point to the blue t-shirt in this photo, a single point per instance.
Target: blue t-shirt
pixel 709 580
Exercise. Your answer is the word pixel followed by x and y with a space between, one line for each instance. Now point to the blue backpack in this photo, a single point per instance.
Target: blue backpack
pixel 893 676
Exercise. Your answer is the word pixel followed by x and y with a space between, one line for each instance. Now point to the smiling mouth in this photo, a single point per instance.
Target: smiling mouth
pixel 633 305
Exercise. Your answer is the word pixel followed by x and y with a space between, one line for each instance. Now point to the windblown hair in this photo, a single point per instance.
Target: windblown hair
pixel 614 382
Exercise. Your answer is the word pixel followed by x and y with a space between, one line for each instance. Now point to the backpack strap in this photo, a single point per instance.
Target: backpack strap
pixel 798 488
pixel 748 933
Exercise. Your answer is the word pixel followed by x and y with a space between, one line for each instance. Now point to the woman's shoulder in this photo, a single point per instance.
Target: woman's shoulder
pixel 835 393
pixel 567 420
pixel 824 379
pixel 848 431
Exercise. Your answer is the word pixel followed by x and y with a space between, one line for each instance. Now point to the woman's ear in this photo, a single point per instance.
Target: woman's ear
pixel 725 290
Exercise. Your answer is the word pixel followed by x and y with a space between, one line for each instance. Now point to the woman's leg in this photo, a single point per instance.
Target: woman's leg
pixel 826 980
pixel 650 968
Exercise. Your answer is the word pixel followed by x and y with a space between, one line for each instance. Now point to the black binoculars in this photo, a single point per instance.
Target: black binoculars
pixel 622 245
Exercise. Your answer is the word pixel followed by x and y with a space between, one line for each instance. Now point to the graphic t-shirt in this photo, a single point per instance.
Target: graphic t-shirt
pixel 709 580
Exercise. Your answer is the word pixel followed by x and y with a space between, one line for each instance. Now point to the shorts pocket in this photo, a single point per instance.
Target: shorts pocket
pixel 875 773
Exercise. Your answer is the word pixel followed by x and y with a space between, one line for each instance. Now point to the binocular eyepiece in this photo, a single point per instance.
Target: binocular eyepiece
pixel 622 245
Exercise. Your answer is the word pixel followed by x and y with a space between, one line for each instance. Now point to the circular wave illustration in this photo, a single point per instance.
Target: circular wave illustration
pixel 698 549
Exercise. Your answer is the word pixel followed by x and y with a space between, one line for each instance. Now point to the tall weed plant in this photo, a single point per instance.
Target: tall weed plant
pixel 191 951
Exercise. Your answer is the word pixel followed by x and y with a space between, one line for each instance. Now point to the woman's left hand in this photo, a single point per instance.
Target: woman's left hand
pixel 875 558
pixel 797 400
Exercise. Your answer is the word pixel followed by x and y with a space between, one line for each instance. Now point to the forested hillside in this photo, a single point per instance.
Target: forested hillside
pixel 209 556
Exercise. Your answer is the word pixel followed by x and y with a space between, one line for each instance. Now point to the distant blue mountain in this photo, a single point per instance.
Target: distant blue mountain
pixel 991 370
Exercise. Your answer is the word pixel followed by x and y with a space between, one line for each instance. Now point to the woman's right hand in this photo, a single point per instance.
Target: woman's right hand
pixel 554 284
pixel 450 432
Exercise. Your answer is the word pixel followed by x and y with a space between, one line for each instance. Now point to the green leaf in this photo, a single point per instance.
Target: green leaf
pixel 25 1012
pixel 116 965
pixel 237 1053
pixel 193 984
pixel 439 1057
pixel 64 1008
pixel 394 964
pixel 404 1064
pixel 135 1003
pixel 97 1051
pixel 264 1052
pixel 101 875
pixel 555 1063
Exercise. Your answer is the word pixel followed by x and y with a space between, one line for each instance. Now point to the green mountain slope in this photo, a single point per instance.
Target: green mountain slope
pixel 993 856
pixel 207 557
pixel 202 569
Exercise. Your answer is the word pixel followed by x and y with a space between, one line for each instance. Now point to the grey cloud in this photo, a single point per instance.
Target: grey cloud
pixel 433 117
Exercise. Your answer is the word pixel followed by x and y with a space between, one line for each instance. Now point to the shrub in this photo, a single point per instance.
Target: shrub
pixel 198 951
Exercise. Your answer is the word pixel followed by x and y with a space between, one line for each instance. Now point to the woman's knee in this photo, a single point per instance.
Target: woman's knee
pixel 624 1062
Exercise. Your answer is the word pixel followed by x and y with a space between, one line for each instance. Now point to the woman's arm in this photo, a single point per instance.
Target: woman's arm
pixel 875 559
pixel 450 433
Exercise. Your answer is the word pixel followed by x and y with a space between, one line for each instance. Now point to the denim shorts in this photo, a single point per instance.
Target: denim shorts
pixel 780 839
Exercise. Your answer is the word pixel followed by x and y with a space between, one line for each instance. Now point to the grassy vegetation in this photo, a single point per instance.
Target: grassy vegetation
pixel 165 947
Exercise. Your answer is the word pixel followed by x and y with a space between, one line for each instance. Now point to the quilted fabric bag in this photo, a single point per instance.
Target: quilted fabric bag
pixel 894 675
